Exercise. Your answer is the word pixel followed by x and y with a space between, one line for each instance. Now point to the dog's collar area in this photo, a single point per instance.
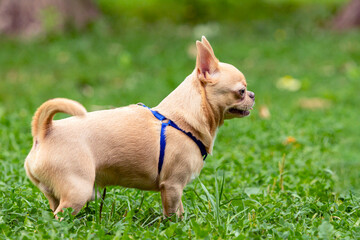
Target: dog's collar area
pixel 167 122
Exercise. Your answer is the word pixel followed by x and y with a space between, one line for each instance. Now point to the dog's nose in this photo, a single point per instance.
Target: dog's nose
pixel 251 95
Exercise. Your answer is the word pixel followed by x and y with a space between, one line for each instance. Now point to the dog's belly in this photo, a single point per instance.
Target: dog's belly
pixel 119 177
pixel 132 163
pixel 128 163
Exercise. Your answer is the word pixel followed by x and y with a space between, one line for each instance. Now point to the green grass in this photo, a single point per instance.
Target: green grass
pixel 254 186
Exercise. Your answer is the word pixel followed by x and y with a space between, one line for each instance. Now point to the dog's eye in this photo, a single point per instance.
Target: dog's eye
pixel 242 92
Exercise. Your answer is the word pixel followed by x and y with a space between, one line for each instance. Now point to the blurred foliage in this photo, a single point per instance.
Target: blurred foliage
pixel 189 11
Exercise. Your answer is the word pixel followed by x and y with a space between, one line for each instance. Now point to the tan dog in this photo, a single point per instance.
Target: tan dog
pixel 121 146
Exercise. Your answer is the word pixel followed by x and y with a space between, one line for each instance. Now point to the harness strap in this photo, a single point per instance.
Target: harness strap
pixel 162 145
pixel 164 124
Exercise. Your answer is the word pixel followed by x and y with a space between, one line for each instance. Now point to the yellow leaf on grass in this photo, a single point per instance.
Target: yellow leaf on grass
pixel 288 83
pixel 290 140
pixel 314 103
pixel 191 50
pixel 264 112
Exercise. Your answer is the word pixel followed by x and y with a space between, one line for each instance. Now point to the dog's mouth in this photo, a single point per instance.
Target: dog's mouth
pixel 239 112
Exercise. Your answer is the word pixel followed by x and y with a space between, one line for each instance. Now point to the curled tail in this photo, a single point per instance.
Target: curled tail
pixel 42 119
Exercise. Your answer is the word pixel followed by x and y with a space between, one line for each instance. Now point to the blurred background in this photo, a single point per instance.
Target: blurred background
pixel 300 57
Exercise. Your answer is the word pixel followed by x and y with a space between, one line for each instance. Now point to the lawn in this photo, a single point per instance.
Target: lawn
pixel 293 174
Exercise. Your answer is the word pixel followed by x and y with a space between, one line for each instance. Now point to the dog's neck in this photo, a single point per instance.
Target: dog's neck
pixel 189 108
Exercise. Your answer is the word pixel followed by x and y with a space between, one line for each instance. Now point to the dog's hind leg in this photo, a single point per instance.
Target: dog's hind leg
pixel 75 195
pixel 53 201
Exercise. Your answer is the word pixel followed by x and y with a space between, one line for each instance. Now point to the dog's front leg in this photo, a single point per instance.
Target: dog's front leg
pixel 171 199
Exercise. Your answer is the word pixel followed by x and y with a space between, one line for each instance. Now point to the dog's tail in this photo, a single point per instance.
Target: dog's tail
pixel 43 117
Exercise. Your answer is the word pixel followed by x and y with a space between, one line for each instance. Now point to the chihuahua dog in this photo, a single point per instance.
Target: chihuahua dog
pixel 124 146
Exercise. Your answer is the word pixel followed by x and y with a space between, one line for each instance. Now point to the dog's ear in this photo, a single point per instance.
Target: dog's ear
pixel 207 44
pixel 206 62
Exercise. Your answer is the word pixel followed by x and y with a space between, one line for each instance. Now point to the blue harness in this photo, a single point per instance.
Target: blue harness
pixel 164 124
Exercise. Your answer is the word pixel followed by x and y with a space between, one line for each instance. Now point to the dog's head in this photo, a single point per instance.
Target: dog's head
pixel 225 86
